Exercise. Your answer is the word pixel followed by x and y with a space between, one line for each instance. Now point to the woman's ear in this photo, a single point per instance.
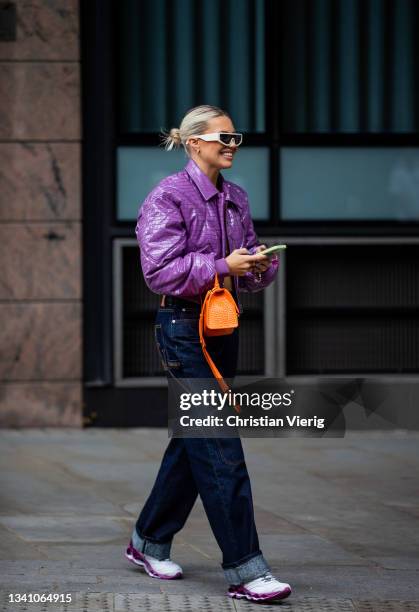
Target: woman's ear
pixel 193 144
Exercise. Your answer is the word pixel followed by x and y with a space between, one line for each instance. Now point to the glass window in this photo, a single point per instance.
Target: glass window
pixel 348 66
pixel 139 169
pixel 320 183
pixel 176 55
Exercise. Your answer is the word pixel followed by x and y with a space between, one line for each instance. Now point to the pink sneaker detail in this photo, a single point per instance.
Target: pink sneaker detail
pixel 266 588
pixel 165 570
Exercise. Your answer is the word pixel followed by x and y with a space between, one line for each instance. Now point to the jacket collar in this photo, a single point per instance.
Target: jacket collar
pixel 206 187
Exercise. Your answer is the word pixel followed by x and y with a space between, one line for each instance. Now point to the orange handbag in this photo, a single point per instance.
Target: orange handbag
pixel 219 316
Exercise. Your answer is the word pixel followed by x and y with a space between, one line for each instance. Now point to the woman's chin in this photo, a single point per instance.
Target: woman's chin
pixel 226 163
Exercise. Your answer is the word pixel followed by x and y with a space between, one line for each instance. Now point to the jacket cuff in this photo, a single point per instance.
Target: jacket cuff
pixel 270 273
pixel 253 282
pixel 221 267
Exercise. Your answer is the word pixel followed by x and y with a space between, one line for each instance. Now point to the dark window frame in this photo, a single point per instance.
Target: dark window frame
pixel 274 139
pixel 100 225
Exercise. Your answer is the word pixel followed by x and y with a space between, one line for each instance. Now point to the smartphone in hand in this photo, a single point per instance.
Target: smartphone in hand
pixel 273 250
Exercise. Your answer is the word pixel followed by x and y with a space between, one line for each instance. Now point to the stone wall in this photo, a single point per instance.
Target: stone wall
pixel 40 218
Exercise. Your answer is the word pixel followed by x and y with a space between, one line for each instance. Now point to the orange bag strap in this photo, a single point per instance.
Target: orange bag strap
pixel 223 385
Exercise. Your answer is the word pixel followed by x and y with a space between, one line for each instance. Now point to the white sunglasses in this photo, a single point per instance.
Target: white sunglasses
pixel 224 138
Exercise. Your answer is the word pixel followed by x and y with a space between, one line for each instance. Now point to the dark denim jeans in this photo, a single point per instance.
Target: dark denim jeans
pixel 214 468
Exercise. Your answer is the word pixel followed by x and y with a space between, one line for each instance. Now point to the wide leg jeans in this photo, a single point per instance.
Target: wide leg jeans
pixel 213 468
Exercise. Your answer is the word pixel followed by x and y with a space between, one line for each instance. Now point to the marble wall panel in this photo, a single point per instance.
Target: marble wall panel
pixel 44 30
pixel 41 404
pixel 40 101
pixel 40 181
pixel 40 261
pixel 41 218
pixel 40 341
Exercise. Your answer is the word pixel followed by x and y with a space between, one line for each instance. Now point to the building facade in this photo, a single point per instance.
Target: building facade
pixel 41 304
pixel 325 92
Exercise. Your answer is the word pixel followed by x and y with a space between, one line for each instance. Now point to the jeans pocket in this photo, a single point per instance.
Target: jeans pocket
pixel 230 450
pixel 167 360
pixel 185 328
pixel 185 345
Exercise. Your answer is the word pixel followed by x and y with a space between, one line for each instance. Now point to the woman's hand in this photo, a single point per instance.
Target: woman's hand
pixel 264 262
pixel 239 261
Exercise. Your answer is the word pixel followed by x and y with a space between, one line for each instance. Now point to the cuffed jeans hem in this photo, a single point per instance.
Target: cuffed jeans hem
pixel 253 568
pixel 158 550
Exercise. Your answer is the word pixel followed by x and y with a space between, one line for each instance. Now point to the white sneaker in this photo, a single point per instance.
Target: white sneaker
pixel 165 570
pixel 261 589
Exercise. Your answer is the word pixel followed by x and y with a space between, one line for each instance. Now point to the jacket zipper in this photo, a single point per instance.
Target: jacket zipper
pixel 228 247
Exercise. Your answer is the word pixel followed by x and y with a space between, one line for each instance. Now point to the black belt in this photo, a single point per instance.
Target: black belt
pixel 171 300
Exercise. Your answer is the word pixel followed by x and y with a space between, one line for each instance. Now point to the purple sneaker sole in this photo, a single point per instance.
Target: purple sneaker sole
pixel 138 558
pixel 239 592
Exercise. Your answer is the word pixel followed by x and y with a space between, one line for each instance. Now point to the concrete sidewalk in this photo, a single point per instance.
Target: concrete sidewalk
pixel 337 518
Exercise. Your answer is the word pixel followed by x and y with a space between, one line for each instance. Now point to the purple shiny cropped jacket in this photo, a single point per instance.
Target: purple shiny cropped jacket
pixel 182 238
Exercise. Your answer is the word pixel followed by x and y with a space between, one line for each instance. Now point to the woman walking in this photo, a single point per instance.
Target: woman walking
pixel 192 225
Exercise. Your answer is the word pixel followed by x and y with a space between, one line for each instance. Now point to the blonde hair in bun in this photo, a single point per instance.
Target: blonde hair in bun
pixel 194 122
pixel 172 139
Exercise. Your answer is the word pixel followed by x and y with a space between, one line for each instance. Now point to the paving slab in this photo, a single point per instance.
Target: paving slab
pixel 308 604
pixel 86 529
pixel 154 602
pixel 337 518
pixel 306 549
